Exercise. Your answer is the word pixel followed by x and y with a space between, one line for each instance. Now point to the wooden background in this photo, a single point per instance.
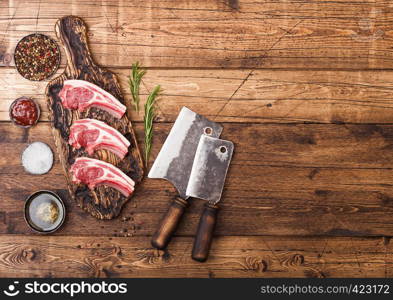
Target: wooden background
pixel 303 88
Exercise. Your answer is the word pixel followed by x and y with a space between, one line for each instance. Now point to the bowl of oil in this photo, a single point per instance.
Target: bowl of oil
pixel 44 211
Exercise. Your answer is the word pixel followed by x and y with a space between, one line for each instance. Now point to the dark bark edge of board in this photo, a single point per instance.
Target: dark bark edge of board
pixel 103 202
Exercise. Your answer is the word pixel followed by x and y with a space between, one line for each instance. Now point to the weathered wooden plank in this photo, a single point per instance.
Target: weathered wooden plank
pixel 284 180
pixel 253 34
pixel 55 256
pixel 266 96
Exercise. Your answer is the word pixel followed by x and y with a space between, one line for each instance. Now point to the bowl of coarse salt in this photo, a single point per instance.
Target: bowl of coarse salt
pixel 37 158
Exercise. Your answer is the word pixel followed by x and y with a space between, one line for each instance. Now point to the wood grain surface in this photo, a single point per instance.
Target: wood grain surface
pixel 53 256
pixel 282 96
pixel 220 33
pixel 303 88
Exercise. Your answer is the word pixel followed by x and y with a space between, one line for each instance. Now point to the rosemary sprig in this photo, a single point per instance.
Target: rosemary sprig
pixel 148 121
pixel 134 81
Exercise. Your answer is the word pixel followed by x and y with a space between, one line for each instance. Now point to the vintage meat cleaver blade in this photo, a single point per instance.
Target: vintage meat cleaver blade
pixel 174 163
pixel 207 180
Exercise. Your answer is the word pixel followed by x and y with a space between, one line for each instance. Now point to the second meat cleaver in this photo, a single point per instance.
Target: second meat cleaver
pixel 174 163
pixel 207 180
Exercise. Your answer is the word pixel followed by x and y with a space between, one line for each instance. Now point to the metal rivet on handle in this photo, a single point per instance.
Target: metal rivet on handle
pixel 208 130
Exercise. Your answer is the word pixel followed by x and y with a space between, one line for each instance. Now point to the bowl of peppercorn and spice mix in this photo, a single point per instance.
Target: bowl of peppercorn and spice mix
pixel 37 57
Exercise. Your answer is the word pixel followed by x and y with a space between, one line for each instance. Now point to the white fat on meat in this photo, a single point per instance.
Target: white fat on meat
pixel 94 135
pixel 94 172
pixel 81 95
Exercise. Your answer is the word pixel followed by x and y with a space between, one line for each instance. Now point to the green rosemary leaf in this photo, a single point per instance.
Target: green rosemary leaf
pixel 134 81
pixel 148 121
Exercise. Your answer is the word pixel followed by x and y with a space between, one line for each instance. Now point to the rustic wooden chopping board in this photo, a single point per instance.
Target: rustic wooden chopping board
pixel 104 202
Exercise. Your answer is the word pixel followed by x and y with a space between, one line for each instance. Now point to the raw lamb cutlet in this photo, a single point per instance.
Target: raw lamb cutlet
pixel 94 172
pixel 94 135
pixel 81 95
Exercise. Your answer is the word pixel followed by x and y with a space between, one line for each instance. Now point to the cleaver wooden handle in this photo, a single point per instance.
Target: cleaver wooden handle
pixel 169 223
pixel 204 235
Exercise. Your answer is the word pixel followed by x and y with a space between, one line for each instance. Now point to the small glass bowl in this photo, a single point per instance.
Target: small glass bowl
pixel 16 101
pixel 32 205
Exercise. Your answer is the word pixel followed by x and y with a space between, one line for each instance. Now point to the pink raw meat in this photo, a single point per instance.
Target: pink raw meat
pixel 81 95
pixel 94 135
pixel 94 172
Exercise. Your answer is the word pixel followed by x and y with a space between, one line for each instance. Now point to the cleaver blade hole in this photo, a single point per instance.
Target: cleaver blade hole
pixel 223 149
pixel 208 131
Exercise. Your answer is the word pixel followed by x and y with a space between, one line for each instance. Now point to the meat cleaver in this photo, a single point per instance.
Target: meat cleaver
pixel 209 170
pixel 174 163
